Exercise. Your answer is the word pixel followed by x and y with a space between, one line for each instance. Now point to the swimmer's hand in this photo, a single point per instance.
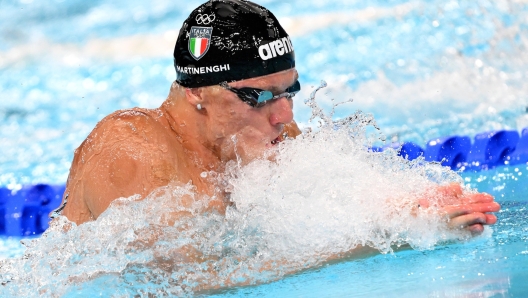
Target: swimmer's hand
pixel 469 211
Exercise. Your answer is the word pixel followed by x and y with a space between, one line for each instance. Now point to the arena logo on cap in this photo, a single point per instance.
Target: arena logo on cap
pixel 275 48
pixel 199 41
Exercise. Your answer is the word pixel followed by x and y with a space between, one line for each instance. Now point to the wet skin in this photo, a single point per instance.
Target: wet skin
pixel 466 210
pixel 138 150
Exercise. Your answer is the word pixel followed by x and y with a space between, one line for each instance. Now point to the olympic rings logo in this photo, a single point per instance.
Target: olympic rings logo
pixel 205 19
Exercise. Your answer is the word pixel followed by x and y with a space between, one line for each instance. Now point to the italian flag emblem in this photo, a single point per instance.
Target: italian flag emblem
pixel 199 41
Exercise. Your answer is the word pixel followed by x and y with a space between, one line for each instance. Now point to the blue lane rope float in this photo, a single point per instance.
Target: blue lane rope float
pixel 489 150
pixel 520 154
pixel 450 151
pixel 411 151
pixel 25 212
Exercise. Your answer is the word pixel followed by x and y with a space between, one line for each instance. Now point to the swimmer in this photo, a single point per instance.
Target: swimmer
pixel 232 100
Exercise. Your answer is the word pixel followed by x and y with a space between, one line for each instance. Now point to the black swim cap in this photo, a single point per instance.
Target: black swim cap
pixel 230 40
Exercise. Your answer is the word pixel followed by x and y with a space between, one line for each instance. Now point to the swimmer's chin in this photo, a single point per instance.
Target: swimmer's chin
pixel 272 150
pixel 265 150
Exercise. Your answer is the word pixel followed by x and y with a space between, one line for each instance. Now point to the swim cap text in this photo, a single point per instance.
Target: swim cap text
pixel 203 70
pixel 275 48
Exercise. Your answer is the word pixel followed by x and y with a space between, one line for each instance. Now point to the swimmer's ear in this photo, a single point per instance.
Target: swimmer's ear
pixel 194 96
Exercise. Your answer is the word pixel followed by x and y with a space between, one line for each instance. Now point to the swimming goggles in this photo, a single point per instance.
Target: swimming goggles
pixel 257 97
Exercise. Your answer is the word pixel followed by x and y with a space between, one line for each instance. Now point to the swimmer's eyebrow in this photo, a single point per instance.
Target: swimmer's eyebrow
pixel 277 90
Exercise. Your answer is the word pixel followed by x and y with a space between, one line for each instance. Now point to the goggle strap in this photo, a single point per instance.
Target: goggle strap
pixel 246 94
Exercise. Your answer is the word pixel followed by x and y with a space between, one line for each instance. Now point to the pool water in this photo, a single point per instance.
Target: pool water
pixel 423 69
pixel 493 265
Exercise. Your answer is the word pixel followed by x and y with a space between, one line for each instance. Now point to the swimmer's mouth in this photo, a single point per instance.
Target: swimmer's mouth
pixel 280 138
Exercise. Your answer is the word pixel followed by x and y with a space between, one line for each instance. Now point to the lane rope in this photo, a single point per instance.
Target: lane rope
pixel 25 212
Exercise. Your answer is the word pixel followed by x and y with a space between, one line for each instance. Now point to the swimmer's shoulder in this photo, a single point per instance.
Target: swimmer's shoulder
pixel 138 139
pixel 127 153
pixel 137 121
pixel 127 127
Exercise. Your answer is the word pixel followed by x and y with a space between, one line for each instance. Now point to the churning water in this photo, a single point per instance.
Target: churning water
pixel 324 195
pixel 423 69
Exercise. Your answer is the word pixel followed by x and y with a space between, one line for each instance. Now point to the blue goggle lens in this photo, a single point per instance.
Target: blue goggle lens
pixel 257 97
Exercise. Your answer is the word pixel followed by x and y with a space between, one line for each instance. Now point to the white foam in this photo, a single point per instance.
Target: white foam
pixel 324 195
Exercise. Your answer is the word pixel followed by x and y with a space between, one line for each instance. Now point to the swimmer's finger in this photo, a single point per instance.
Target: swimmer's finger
pixel 491 219
pixel 476 229
pixel 467 220
pixel 478 198
pixel 462 209
pixel 486 207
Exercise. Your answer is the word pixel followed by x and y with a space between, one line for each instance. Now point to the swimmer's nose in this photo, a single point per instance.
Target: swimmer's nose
pixel 281 111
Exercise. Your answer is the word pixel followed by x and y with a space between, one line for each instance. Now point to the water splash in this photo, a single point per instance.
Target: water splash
pixel 323 195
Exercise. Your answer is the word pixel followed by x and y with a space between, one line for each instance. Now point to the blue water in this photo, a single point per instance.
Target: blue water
pixel 489 266
pixel 424 69
pixel 56 82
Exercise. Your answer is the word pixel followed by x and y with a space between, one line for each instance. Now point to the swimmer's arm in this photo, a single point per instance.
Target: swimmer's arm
pixel 117 160
pixel 358 252
pixel 469 211
pixel 101 172
pixel 465 211
pixel 73 204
